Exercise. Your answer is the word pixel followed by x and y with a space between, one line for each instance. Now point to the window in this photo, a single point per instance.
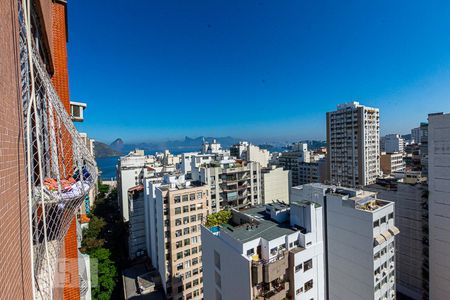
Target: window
pixel 186 230
pixel 308 265
pixel 187 275
pixel 194 240
pixel 179 266
pixel 188 285
pixel 376 223
pixel 187 242
pixel 178 244
pixel 177 199
pixel 216 259
pixel 218 279
pixel 193 218
pixel 177 222
pixel 195 261
pixel 195 282
pixel 298 268
pixel 298 291
pixel 177 210
pixel 250 251
pixel 185 220
pixel 383 220
pixel 199 195
pixel 391 216
pixel 185 198
pixel 193 228
pixel 273 251
pixel 187 252
pixel 192 207
pixel 194 272
pixel 308 285
pixel 192 197
pixel 194 250
pixel 186 209
pixel 179 255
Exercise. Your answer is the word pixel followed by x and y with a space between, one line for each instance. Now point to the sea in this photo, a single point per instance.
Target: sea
pixel 107 167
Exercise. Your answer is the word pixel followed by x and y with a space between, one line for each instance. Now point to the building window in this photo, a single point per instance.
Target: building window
pixel 216 259
pixel 308 285
pixel 187 252
pixel 308 265
pixel 391 216
pixel 199 195
pixel 376 223
pixel 179 255
pixel 177 199
pixel 298 267
pixel 179 266
pixel 186 209
pixel 185 198
pixel 177 210
pixel 218 279
pixel 383 220
pixel 298 291
pixel 186 230
pixel 250 251
pixel 178 244
pixel 192 197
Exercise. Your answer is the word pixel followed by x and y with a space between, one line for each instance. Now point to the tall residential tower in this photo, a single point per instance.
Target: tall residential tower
pixel 353 138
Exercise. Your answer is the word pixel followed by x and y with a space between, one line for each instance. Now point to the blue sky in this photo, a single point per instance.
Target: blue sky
pixel 267 70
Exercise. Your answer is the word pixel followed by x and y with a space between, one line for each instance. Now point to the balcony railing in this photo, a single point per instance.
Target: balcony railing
pixel 61 170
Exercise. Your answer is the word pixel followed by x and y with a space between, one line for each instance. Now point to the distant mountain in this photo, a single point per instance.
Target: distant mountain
pixel 175 146
pixel 103 150
pixel 117 145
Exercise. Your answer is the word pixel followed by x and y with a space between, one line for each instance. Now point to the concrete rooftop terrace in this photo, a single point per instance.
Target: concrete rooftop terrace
pixel 264 227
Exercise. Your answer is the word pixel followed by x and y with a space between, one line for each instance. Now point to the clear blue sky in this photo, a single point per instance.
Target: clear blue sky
pixel 157 70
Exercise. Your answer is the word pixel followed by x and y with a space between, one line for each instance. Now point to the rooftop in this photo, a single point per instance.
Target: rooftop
pixel 259 225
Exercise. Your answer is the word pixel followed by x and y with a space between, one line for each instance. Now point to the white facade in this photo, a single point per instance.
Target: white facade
pixel 272 258
pixel 274 185
pixel 439 204
pixel 246 151
pixel 393 143
pixel 353 138
pixel 359 230
pixel 232 183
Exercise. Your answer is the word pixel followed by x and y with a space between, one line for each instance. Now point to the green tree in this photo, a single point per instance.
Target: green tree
pixel 107 273
pixel 218 218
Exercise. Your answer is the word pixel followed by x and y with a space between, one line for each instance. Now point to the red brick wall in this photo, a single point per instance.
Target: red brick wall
pixel 15 258
pixel 61 82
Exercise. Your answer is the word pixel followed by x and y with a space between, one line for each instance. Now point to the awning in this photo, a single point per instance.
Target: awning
pixel 394 230
pixel 387 235
pixel 378 240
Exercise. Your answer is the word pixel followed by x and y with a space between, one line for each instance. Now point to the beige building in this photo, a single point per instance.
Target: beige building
pixel 392 162
pixel 274 185
pixel 353 138
pixel 180 208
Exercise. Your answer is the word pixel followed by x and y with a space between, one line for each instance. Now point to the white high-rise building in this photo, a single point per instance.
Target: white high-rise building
pixel 353 138
pixel 359 234
pixel 393 143
pixel 439 204
pixel 233 183
pixel 246 151
pixel 266 252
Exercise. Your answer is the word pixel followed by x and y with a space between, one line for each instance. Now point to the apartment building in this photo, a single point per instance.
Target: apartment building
pixel 39 226
pixel 247 151
pixel 274 185
pixel 136 225
pixel 234 183
pixel 415 135
pixel 392 143
pixel 305 166
pixel 411 246
pixel 353 138
pixel 392 162
pixel 314 171
pixel 174 218
pixel 439 203
pixel 272 252
pixel 359 235
pixel 424 148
